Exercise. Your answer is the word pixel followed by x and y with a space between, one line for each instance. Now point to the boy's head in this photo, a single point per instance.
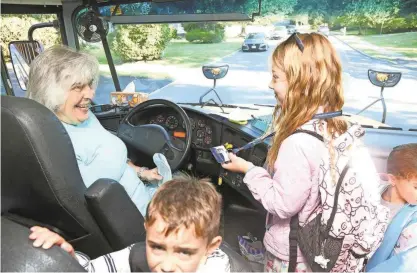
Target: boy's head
pixel 402 171
pixel 182 225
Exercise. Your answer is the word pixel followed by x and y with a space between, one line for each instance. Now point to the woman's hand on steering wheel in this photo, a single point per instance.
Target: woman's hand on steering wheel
pixel 149 175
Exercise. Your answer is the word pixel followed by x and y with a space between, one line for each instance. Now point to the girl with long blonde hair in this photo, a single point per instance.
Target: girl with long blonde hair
pixel 306 80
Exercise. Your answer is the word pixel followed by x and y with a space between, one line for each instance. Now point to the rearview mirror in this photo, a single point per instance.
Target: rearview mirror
pixel 384 79
pixel 22 53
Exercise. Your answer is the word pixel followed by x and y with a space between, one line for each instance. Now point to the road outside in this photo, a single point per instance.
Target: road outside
pixel 248 78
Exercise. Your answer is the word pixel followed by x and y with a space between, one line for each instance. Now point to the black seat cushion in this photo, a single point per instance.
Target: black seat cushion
pixel 18 254
pixel 116 214
pixel 40 179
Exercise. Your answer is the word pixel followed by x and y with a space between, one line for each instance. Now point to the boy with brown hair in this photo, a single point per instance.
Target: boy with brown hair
pixel 398 250
pixel 182 232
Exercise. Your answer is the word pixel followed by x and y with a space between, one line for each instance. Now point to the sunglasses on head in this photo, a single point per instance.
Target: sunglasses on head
pixel 298 41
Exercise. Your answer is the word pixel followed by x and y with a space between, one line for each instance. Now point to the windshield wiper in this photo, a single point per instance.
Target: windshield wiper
pixel 265 105
pixel 217 105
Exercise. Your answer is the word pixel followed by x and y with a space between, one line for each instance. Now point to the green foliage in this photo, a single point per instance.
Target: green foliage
pixel 202 36
pixel 15 28
pixel 206 33
pixel 174 33
pixel 317 19
pixel 371 13
pixel 140 42
pixel 379 12
pixel 316 10
pixel 397 24
pixel 278 6
pixel 203 26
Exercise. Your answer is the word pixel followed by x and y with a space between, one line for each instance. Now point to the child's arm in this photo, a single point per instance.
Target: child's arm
pixel 113 262
pixel 45 238
pixel 286 192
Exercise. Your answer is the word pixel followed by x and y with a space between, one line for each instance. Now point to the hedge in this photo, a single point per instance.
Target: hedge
pixel 140 42
pixel 205 37
pixel 204 32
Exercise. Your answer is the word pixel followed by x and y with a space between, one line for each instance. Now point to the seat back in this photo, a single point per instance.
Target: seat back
pixel 40 180
pixel 19 255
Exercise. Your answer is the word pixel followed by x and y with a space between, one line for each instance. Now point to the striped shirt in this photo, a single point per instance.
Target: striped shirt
pixel 118 261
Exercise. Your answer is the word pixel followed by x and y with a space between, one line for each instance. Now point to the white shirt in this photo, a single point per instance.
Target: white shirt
pixel 118 261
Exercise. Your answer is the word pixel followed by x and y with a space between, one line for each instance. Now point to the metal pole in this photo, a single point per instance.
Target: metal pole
pixel 5 76
pixel 384 106
pixel 108 53
pixel 110 62
pixel 368 106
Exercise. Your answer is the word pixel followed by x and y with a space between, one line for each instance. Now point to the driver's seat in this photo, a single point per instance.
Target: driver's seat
pixel 42 185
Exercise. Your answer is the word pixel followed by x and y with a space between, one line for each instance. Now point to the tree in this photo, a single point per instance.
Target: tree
pixel 408 7
pixel 378 12
pixel 140 42
pixel 371 12
pixel 271 11
pixel 354 14
pixel 282 7
pixel 317 10
pixel 15 28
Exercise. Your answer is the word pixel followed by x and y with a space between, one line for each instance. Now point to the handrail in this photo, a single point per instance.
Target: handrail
pixel 34 27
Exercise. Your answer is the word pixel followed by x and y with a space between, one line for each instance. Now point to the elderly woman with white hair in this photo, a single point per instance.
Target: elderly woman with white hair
pixel 64 81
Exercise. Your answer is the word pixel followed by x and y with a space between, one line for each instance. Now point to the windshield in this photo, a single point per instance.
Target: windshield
pixel 165 60
pixel 181 7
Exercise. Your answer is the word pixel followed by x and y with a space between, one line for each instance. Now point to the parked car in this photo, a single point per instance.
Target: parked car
pixel 279 32
pixel 291 29
pixel 255 42
pixel 324 30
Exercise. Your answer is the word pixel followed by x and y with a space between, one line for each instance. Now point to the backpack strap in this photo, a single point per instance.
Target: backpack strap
pixel 294 223
pixel 399 222
pixel 311 133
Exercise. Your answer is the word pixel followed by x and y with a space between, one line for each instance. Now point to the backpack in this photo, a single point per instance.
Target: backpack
pixel 349 222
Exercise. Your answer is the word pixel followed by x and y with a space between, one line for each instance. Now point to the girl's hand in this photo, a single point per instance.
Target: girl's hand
pixel 46 238
pixel 151 175
pixel 237 164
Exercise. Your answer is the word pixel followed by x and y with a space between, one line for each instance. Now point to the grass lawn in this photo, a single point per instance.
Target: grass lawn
pixel 177 53
pixel 122 71
pixel 403 43
pixel 193 55
pixel 400 43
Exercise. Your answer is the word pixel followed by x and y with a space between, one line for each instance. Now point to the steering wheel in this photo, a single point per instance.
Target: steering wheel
pixel 153 138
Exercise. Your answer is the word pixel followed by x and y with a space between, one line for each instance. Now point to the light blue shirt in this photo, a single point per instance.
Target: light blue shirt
pixel 100 154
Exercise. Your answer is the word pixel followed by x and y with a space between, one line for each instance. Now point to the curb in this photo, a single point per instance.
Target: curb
pixel 363 53
pixel 396 62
